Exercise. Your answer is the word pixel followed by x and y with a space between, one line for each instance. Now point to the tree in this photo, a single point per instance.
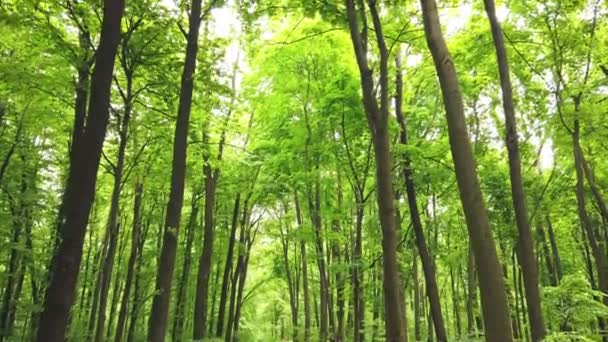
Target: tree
pixel 493 294
pixel 80 188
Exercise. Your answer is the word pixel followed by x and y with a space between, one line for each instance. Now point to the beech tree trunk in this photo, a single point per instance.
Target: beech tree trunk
pixel 135 237
pixel 377 117
pixel 428 265
pixel 180 305
pixel 80 189
pixel 525 241
pixel 306 295
pixel 494 300
pixel 113 226
pixel 204 266
pixel 597 248
pixel 554 250
pixel 157 324
pixel 219 332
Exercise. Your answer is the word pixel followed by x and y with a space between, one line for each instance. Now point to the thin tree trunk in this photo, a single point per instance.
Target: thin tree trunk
pixel 113 225
pixel 306 294
pixel 135 237
pixel 428 266
pixel 547 256
pixel 554 250
pixel 219 332
pixel 495 304
pixel 80 189
pixel 180 305
pixel 525 241
pixel 315 214
pixel 377 116
pixel 137 288
pixel 597 248
pixel 417 331
pixel 157 324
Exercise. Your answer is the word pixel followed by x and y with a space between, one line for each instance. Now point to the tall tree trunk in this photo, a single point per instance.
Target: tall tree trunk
pixel 428 265
pixel 597 248
pixel 314 207
pixel 493 294
pixel 113 225
pixel 204 266
pixel 456 303
pixel 291 286
pixel 416 285
pixel 180 305
pixel 305 287
pixel 157 324
pixel 554 250
pixel 547 256
pixel 219 332
pixel 117 284
pixel 357 274
pixel 137 287
pixel 595 191
pixel 471 292
pixel 377 117
pixel 243 267
pixel 237 273
pixel 135 237
pixel 80 189
pixel 337 259
pixel 525 241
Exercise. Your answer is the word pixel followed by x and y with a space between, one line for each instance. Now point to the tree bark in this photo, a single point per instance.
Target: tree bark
pixel 180 305
pixel 219 332
pixel 554 250
pixel 597 248
pixel 428 265
pixel 135 237
pixel 157 324
pixel 493 294
pixel 80 189
pixel 377 117
pixel 525 241
pixel 305 287
pixel 113 226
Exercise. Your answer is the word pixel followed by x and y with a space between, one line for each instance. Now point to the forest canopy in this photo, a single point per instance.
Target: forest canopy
pixel 297 170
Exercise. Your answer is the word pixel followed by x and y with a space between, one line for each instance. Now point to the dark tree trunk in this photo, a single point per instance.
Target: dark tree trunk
pixel 137 287
pixel 554 250
pixel 180 305
pixel 597 248
pixel 204 266
pixel 80 189
pixel 135 237
pixel 377 117
pixel 525 241
pixel 337 259
pixel 494 300
pixel 315 215
pixel 306 294
pixel 117 284
pixel 291 286
pixel 471 293
pixel 237 273
pixel 547 256
pixel 113 225
pixel 428 265
pixel 157 324
pixel 243 266
pixel 456 303
pixel 21 211
pixel 417 331
pixel 228 267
